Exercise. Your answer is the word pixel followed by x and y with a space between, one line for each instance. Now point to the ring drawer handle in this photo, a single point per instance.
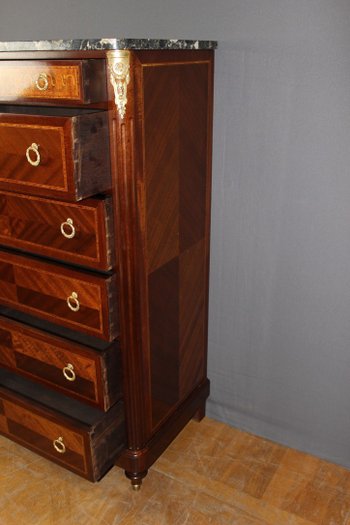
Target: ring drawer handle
pixel 42 82
pixel 68 229
pixel 68 372
pixel 73 302
pixel 59 445
pixel 34 148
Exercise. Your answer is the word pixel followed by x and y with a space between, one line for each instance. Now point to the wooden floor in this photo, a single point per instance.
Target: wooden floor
pixel 212 474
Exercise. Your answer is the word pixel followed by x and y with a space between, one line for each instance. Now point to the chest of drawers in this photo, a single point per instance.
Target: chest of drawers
pixel 105 180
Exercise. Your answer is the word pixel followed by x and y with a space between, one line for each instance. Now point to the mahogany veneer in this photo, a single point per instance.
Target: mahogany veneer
pixel 64 156
pixel 71 368
pixel 132 129
pixel 76 299
pixel 82 234
pixel 85 441
pixel 45 81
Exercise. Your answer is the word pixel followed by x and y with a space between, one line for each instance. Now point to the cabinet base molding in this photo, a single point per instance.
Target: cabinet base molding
pixel 137 462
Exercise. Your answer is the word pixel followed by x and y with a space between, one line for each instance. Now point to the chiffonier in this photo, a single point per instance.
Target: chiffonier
pixel 105 181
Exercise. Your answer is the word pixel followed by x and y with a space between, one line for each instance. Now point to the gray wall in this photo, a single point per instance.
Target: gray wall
pixel 280 275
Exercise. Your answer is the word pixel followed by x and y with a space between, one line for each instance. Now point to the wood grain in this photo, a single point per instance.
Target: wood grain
pixel 192 326
pixel 69 81
pixel 159 160
pixel 182 487
pixel 177 131
pixel 73 151
pixel 91 443
pixel 128 208
pixel 34 224
pixel 162 184
pixel 163 286
pixel 42 357
pixel 42 289
pixel 162 163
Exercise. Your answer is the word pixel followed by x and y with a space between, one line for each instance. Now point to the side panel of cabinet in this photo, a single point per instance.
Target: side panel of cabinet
pixel 177 124
pixel 161 157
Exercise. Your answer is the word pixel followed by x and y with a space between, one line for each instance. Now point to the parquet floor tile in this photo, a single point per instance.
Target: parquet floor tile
pixel 211 474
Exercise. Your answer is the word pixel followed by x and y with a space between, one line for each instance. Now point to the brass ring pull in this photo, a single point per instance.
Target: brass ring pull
pixel 59 445
pixel 68 229
pixel 68 372
pixel 42 82
pixel 73 302
pixel 34 148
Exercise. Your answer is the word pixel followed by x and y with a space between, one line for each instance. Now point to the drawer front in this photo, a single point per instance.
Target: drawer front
pixel 75 299
pixel 43 435
pixel 41 81
pixel 73 369
pixel 58 156
pixel 76 233
pixel 71 443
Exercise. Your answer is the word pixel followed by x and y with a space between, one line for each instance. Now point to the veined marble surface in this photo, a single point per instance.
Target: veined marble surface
pixel 105 44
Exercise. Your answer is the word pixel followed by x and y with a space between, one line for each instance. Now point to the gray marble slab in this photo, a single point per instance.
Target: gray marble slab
pixel 105 44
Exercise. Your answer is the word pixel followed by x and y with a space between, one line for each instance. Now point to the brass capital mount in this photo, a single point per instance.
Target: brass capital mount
pixel 119 70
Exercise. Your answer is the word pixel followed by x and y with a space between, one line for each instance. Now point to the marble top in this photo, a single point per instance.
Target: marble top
pixel 105 44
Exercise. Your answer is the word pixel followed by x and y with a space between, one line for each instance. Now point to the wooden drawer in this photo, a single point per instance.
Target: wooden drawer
pixel 78 300
pixel 54 152
pixel 79 438
pixel 76 233
pixel 56 81
pixel 89 375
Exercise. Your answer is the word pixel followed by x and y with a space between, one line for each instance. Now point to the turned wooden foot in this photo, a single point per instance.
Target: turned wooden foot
pixel 136 478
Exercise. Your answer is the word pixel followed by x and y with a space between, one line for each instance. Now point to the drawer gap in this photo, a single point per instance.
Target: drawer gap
pixel 47 111
pixel 30 320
